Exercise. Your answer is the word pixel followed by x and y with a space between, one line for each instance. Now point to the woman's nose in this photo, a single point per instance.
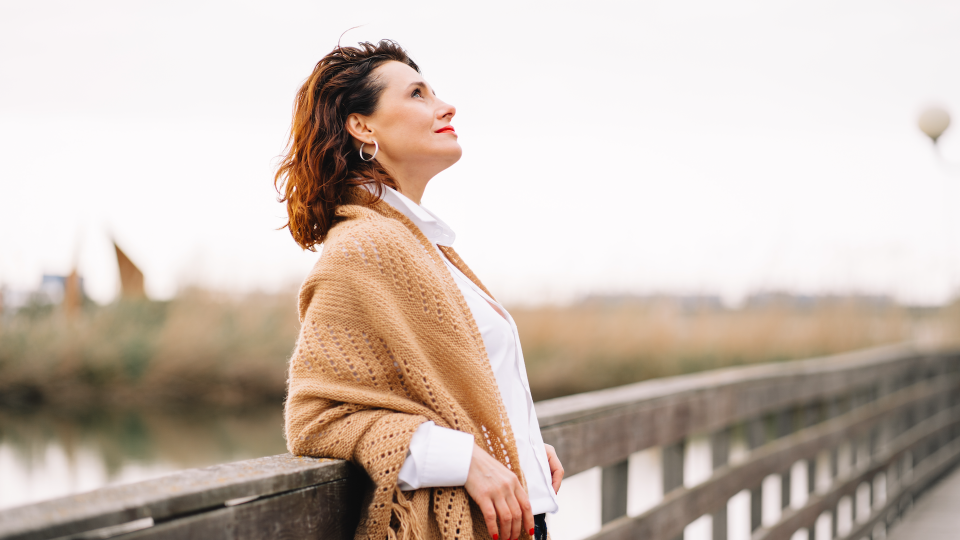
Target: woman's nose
pixel 447 110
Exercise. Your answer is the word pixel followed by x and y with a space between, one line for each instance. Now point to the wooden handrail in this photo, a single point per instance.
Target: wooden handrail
pixel 604 427
pixel 182 493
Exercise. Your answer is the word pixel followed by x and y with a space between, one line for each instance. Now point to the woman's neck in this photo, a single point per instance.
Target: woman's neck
pixel 410 183
pixel 411 192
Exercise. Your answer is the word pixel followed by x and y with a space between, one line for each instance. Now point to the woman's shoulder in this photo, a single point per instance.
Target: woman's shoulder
pixel 376 224
pixel 357 249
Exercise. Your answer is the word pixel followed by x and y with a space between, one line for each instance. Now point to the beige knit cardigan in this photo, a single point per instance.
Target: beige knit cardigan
pixel 387 342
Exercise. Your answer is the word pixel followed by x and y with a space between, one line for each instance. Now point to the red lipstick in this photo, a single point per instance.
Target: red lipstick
pixel 446 129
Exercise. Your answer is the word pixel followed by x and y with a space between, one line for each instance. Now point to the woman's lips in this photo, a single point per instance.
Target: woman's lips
pixel 446 129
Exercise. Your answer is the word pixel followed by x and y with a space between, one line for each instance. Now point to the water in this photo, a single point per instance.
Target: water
pixel 46 454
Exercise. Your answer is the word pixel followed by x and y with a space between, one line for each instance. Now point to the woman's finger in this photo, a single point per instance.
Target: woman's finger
pixel 506 518
pixel 556 469
pixel 527 511
pixel 516 515
pixel 489 516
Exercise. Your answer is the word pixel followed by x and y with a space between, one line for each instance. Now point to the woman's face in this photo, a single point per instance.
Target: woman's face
pixel 411 125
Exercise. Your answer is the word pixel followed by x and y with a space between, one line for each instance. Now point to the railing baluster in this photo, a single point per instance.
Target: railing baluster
pixel 720 453
pixel 613 488
pixel 672 466
pixel 756 437
pixel 785 485
pixel 786 424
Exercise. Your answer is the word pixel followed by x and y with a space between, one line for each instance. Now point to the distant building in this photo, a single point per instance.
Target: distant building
pixel 54 290
pixel 68 291
pixel 686 303
pixel 768 299
pixel 51 290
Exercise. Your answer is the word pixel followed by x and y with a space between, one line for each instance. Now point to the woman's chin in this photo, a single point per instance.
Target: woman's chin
pixel 456 157
pixel 450 155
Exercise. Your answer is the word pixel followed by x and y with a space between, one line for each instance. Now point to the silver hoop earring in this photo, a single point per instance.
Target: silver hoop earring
pixel 375 150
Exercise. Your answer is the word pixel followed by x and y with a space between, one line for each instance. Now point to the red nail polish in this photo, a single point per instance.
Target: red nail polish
pixel 494 536
pixel 531 531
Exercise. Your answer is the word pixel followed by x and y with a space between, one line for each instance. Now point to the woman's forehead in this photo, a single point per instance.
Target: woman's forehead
pixel 398 75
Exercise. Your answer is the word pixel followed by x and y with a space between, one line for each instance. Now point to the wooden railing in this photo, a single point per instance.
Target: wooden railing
pixel 834 447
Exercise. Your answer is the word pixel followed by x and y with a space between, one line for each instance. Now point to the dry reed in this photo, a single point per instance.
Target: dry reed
pixel 603 343
pixel 199 347
pixel 204 348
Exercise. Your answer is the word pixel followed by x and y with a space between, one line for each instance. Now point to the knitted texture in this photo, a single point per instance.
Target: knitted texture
pixel 386 343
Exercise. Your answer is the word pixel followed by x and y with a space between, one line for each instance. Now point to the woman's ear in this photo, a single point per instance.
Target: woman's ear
pixel 359 129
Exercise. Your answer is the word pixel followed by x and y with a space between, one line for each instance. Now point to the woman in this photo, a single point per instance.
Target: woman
pixel 405 364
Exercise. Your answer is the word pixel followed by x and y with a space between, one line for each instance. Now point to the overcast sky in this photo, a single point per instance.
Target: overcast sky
pixel 683 146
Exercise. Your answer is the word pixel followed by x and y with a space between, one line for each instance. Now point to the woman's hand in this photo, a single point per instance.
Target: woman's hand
pixel 498 493
pixel 556 469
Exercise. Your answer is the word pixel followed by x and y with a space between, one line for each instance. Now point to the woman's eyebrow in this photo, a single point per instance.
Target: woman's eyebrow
pixel 422 84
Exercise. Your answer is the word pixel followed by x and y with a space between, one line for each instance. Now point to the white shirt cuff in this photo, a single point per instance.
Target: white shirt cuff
pixel 438 457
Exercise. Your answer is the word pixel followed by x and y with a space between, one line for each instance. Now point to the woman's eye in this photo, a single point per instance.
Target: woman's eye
pixel 417 93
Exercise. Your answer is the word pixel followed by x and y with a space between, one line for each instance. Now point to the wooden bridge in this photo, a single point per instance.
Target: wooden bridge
pixel 835 447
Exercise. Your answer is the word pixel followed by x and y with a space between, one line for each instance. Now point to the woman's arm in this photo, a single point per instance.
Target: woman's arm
pixel 438 457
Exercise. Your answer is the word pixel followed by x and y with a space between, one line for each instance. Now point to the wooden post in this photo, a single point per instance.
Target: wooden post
pixel 720 449
pixel 672 467
pixel 756 507
pixel 835 512
pixel 756 433
pixel 812 415
pixel 785 489
pixel 613 487
pixel 756 437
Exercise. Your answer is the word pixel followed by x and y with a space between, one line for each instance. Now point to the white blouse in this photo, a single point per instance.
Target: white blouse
pixel 440 456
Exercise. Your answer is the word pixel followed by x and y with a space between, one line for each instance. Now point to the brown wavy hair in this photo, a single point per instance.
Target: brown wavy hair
pixel 320 163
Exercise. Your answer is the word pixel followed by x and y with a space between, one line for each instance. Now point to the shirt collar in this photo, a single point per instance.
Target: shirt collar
pixel 434 228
